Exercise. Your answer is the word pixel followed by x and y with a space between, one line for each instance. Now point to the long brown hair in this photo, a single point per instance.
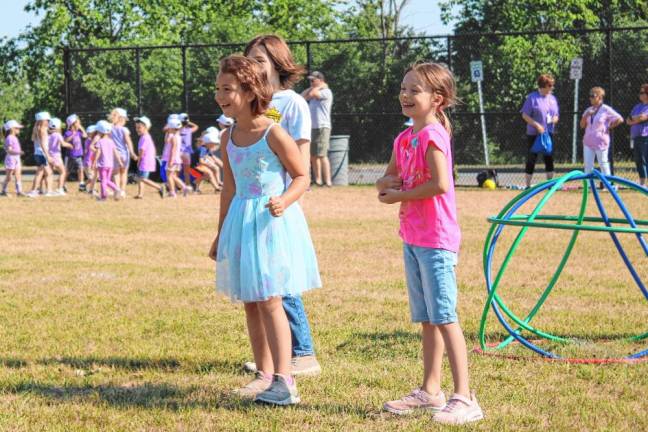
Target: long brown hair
pixel 281 57
pixel 442 82
pixel 249 73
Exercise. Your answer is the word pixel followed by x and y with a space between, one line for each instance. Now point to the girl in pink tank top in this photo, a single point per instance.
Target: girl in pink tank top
pixel 419 177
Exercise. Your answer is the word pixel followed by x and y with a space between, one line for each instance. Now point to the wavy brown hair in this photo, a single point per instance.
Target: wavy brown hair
pixel 249 73
pixel 281 57
pixel 442 82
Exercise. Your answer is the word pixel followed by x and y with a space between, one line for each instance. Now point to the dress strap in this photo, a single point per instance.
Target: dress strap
pixel 267 131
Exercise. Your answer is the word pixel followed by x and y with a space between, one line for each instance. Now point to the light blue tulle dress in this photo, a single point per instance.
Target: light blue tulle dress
pixel 259 255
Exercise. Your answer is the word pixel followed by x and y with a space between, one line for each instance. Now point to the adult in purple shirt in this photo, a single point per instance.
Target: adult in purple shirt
pixel 540 112
pixel 638 121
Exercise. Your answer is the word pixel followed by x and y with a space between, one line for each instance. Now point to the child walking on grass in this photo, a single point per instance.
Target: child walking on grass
pixel 419 176
pixel 263 249
pixel 13 165
pixel 105 158
pixel 146 156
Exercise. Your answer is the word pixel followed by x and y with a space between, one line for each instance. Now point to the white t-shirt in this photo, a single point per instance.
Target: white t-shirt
pixel 291 111
pixel 320 109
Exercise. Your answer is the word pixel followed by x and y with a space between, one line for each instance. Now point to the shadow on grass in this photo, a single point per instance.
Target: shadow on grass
pixel 136 364
pixel 380 344
pixel 166 397
pixel 131 364
pixel 13 363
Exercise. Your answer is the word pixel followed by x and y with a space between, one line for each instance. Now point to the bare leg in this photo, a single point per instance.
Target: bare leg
pixel 433 348
pixel 317 169
pixel 457 356
pixel 326 170
pixel 258 339
pixel 6 180
pixel 277 330
pixel 38 177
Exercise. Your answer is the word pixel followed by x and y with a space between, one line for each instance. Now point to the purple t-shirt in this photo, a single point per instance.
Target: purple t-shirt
pixel 639 129
pixel 146 149
pixel 54 143
pixel 12 145
pixel 119 134
pixel 107 157
pixel 539 107
pixel 88 152
pixel 77 143
pixel 597 131
pixel 186 136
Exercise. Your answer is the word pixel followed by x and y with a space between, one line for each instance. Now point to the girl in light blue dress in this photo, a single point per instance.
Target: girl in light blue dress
pixel 263 249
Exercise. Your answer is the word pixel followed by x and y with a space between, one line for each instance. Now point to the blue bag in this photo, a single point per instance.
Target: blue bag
pixel 542 144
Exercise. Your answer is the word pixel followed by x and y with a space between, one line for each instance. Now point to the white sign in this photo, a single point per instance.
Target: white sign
pixel 476 71
pixel 576 70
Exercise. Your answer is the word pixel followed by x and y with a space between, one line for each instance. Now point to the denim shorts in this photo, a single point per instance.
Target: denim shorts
pixel 143 174
pixel 40 160
pixel 431 284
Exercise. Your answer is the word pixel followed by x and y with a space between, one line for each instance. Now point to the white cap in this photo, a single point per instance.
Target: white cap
pixel 91 129
pixel 223 119
pixel 183 117
pixel 409 122
pixel 211 129
pixel 12 124
pixel 55 123
pixel 211 138
pixel 174 123
pixel 121 112
pixel 43 115
pixel 144 120
pixel 103 127
pixel 71 119
pixel 173 117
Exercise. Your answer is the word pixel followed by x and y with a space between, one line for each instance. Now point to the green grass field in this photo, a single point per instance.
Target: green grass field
pixel 109 321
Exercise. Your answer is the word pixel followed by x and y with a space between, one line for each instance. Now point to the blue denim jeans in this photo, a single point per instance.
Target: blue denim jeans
pixel 302 341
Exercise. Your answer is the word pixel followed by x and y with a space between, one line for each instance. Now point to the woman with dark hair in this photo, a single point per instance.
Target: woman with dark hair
pixel 540 112
pixel 291 111
pixel 638 122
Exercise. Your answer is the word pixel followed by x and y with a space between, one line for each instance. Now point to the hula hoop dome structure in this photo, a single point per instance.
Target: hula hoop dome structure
pixel 515 325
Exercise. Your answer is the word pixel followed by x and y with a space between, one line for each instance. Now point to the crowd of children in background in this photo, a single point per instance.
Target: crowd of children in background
pixel 101 155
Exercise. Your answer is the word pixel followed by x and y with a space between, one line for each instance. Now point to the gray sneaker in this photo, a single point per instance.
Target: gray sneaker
pixel 279 393
pixel 305 366
pixel 259 384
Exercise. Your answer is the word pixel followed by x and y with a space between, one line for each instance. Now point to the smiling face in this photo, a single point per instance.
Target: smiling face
pixel 140 128
pixel 231 98
pixel 417 98
pixel 260 54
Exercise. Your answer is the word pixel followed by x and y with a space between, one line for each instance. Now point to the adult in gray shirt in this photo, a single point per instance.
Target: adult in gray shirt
pixel 320 100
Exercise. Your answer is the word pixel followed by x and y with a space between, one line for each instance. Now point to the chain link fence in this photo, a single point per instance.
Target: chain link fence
pixel 365 77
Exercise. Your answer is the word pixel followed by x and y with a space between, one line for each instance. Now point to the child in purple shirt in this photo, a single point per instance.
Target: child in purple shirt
pixel 13 166
pixel 105 159
pixel 146 151
pixel 540 112
pixel 56 144
pixel 75 135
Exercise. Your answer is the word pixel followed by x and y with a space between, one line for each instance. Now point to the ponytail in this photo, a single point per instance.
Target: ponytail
pixel 442 82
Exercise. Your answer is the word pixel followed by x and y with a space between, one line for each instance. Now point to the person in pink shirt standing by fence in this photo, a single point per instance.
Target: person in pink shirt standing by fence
pixel 419 176
pixel 105 158
pixel 597 121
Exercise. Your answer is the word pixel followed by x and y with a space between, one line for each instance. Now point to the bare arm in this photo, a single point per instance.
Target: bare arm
pixel 229 189
pixel 193 126
pixel 437 185
pixel 391 179
pixel 129 144
pixel 291 158
pixel 533 123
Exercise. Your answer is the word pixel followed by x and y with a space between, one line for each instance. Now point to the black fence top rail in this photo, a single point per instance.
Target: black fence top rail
pixel 363 40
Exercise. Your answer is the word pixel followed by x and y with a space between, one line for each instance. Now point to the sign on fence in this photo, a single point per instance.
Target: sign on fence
pixel 576 70
pixel 476 71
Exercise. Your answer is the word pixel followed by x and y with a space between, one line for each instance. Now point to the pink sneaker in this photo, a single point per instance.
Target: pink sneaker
pixel 417 400
pixel 460 410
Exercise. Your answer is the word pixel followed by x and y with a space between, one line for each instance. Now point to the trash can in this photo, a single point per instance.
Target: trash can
pixel 338 155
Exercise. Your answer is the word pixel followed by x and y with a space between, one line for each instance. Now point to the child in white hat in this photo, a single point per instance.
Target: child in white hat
pixel 41 155
pixel 172 156
pixel 74 135
pixel 146 152
pixel 56 144
pixel 13 165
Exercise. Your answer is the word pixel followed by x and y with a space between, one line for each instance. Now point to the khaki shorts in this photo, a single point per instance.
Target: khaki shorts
pixel 320 139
